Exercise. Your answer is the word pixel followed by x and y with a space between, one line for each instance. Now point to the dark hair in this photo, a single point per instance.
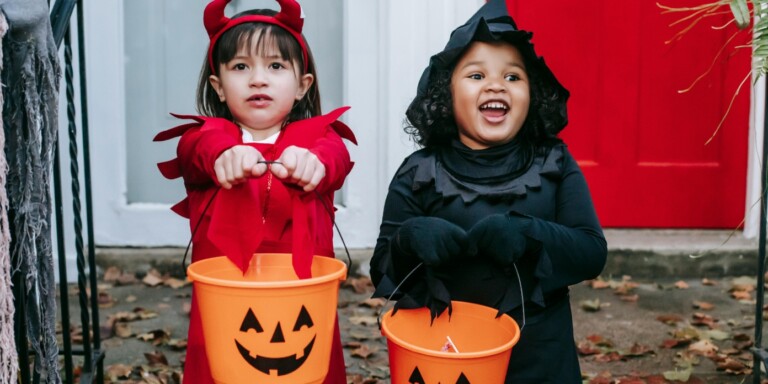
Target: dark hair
pixel 430 121
pixel 233 40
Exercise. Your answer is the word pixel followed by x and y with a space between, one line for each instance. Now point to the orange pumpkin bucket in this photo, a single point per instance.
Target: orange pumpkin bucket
pixel 472 346
pixel 267 326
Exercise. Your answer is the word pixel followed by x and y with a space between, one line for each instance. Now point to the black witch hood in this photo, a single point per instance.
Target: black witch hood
pixel 493 23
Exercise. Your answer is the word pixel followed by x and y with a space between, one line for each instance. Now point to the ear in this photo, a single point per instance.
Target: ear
pixel 305 82
pixel 216 84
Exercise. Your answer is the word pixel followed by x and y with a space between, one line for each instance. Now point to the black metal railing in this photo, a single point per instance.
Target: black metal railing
pixel 91 370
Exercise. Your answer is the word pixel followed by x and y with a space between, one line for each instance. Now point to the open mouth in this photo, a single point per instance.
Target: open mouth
pixel 259 98
pixel 494 109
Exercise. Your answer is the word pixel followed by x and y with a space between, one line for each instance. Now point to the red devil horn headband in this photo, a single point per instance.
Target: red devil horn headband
pixel 289 18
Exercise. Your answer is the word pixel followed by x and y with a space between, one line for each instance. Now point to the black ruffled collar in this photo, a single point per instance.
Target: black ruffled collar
pixel 486 166
pixel 433 170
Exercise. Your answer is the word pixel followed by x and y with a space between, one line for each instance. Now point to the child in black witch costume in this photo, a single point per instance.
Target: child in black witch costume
pixel 494 206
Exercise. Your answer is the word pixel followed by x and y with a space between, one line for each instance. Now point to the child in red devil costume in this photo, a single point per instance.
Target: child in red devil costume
pixel 261 165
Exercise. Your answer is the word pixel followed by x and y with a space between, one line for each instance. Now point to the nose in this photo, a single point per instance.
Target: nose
pixel 258 78
pixel 495 85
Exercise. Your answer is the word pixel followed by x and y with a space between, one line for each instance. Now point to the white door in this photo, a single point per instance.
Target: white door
pixel 143 59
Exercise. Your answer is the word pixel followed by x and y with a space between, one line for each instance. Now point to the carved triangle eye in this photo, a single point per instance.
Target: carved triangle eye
pixel 416 377
pixel 463 379
pixel 303 319
pixel 250 322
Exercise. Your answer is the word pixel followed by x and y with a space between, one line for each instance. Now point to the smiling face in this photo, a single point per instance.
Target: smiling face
pixel 260 87
pixel 282 354
pixel 491 94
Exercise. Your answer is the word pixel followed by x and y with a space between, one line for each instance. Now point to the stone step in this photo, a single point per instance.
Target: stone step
pixel 638 253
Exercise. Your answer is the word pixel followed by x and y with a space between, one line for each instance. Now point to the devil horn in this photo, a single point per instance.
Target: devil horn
pixel 214 18
pixel 291 14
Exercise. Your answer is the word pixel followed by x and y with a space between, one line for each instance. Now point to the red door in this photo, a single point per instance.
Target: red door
pixel 640 142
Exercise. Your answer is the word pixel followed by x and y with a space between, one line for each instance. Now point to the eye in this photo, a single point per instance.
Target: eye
pixel 276 65
pixel 239 67
pixel 511 77
pixel 250 322
pixel 303 319
pixel 475 76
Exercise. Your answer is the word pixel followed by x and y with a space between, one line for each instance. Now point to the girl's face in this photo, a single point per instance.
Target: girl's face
pixel 491 94
pixel 260 89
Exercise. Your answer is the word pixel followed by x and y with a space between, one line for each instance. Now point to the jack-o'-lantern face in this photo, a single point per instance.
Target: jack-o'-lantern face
pixel 296 349
pixel 417 378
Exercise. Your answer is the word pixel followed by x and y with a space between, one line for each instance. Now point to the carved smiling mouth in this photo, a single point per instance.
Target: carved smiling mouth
pixel 283 365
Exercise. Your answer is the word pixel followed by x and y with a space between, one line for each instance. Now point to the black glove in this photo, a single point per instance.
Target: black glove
pixel 432 240
pixel 500 237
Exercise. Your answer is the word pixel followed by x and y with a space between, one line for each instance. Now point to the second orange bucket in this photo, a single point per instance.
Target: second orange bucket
pixel 267 326
pixel 470 346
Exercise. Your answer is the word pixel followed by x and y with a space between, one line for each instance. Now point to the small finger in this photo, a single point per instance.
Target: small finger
pixel 315 179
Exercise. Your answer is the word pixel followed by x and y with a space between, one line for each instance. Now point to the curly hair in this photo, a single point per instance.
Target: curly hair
pixel 430 121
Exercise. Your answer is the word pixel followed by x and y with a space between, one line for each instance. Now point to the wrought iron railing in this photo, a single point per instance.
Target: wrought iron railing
pixel 93 356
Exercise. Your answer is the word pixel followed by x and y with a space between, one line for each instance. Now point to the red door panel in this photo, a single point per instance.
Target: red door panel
pixel 640 142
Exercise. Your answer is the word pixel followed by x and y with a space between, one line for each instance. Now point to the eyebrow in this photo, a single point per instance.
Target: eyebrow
pixel 511 64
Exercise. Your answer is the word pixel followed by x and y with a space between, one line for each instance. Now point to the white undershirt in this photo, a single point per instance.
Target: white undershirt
pixel 248 138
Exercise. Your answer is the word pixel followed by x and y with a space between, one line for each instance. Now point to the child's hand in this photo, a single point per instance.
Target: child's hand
pixel 238 163
pixel 300 166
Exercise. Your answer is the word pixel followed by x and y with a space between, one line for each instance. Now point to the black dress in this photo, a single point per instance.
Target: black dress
pixel 548 189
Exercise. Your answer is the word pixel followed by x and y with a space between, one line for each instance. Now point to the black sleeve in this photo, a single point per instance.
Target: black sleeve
pixel 401 204
pixel 574 248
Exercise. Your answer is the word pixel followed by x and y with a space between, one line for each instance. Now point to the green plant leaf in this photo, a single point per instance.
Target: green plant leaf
pixel 740 13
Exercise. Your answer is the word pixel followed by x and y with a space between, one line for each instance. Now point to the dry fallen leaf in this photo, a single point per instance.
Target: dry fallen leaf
pixel 704 348
pixel 123 330
pixel 590 305
pixel 681 285
pixel 703 305
pixel 362 352
pixel 669 319
pixel 156 358
pixel 153 278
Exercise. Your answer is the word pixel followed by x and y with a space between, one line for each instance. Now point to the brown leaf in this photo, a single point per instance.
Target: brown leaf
pixel 681 285
pixel 360 284
pixel 156 358
pixel 637 350
pixel 153 278
pixel 702 319
pixel 708 282
pixel 373 303
pixel 117 371
pixel 732 366
pixel 352 344
pixel 157 337
pixel 106 300
pixel 363 352
pixel 742 337
pixel 123 330
pixel 363 320
pixel 704 348
pixel 630 298
pixel 741 295
pixel 590 305
pixel 175 283
pixel 112 274
pixel 669 319
pixel 673 343
pixel 586 348
pixel 599 284
pixel 703 305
